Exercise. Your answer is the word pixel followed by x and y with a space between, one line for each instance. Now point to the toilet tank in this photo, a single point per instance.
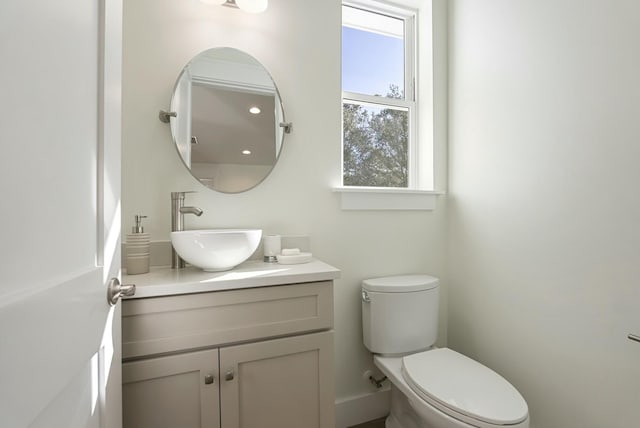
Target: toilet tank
pixel 400 313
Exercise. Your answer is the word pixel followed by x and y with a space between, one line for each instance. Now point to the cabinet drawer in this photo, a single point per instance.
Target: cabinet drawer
pixel 172 323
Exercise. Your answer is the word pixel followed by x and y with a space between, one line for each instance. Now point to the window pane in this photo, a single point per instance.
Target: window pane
pixel 375 143
pixel 372 53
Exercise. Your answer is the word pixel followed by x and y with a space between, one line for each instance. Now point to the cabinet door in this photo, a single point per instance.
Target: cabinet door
pixel 178 391
pixel 282 383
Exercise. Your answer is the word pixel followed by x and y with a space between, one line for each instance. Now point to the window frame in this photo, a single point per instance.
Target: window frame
pixel 410 102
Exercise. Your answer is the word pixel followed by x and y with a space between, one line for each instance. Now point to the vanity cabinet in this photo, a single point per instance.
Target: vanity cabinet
pixel 255 357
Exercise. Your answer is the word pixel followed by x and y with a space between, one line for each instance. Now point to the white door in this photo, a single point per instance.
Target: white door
pixel 59 212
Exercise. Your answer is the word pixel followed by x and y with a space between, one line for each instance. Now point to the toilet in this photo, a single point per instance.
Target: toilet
pixel 430 387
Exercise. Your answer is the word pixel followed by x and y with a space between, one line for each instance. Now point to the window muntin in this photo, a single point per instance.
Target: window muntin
pixel 379 127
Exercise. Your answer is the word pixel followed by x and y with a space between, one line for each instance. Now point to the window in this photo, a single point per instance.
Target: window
pixel 378 96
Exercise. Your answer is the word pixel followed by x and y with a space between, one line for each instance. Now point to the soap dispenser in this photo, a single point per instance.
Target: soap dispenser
pixel 137 248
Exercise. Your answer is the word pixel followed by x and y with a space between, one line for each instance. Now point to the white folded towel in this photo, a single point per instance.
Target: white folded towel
pixel 290 251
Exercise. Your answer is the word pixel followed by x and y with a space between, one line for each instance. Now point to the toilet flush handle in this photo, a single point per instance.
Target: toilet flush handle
pixel 365 297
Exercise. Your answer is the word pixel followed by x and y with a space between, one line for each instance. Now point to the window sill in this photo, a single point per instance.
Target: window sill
pixel 377 198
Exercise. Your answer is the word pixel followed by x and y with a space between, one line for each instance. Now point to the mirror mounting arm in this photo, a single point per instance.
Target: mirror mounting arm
pixel 288 127
pixel 165 115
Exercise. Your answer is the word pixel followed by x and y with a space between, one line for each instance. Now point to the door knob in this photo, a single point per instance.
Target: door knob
pixel 229 375
pixel 115 291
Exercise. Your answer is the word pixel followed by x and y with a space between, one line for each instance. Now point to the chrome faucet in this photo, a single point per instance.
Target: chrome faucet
pixel 177 222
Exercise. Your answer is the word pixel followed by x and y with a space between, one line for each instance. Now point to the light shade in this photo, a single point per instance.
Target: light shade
pixel 253 6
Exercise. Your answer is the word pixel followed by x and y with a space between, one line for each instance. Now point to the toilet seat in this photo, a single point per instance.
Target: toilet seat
pixel 463 388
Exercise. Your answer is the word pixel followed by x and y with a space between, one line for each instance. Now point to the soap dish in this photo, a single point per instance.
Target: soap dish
pixel 294 259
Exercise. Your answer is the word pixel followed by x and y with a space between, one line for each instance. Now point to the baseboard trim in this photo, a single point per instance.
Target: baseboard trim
pixel 362 408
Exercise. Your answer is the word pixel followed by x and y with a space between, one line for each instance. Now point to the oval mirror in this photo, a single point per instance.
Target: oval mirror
pixel 227 120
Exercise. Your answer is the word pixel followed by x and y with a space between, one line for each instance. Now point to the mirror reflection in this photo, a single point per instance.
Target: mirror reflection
pixel 227 124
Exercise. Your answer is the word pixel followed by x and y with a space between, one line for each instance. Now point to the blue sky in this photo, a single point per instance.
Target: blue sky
pixel 371 62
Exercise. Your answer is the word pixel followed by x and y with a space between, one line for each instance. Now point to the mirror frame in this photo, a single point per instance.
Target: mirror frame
pixel 285 126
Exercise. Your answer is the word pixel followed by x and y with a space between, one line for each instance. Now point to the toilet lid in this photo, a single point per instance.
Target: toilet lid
pixel 464 386
pixel 400 284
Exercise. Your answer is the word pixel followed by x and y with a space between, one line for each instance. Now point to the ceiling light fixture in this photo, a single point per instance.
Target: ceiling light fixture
pixel 255 110
pixel 251 6
pixel 246 152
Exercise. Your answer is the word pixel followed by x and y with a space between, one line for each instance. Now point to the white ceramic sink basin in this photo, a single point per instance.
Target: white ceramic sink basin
pixel 216 249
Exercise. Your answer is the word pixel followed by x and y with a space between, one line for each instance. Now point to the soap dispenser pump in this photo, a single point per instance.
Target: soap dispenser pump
pixel 137 248
pixel 138 223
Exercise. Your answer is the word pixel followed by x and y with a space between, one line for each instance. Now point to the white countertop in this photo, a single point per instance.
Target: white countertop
pixel 164 281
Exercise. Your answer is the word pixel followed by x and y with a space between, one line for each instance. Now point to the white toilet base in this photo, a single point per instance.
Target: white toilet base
pixel 402 414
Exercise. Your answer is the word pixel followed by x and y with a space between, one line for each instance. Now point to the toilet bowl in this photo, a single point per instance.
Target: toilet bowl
pixel 431 387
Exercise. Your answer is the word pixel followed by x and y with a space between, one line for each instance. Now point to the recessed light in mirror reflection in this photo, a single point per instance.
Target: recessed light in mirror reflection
pixel 254 110
pixel 246 152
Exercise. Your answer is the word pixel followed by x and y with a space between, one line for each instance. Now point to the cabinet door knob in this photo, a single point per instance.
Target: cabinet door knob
pixel 229 375
pixel 208 379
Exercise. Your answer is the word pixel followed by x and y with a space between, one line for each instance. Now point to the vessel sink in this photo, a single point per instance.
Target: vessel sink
pixel 216 249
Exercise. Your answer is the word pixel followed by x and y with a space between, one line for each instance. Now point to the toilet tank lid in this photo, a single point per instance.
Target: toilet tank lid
pixel 400 283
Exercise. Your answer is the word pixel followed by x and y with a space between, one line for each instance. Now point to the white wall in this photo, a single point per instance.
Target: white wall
pixel 299 43
pixel 544 212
